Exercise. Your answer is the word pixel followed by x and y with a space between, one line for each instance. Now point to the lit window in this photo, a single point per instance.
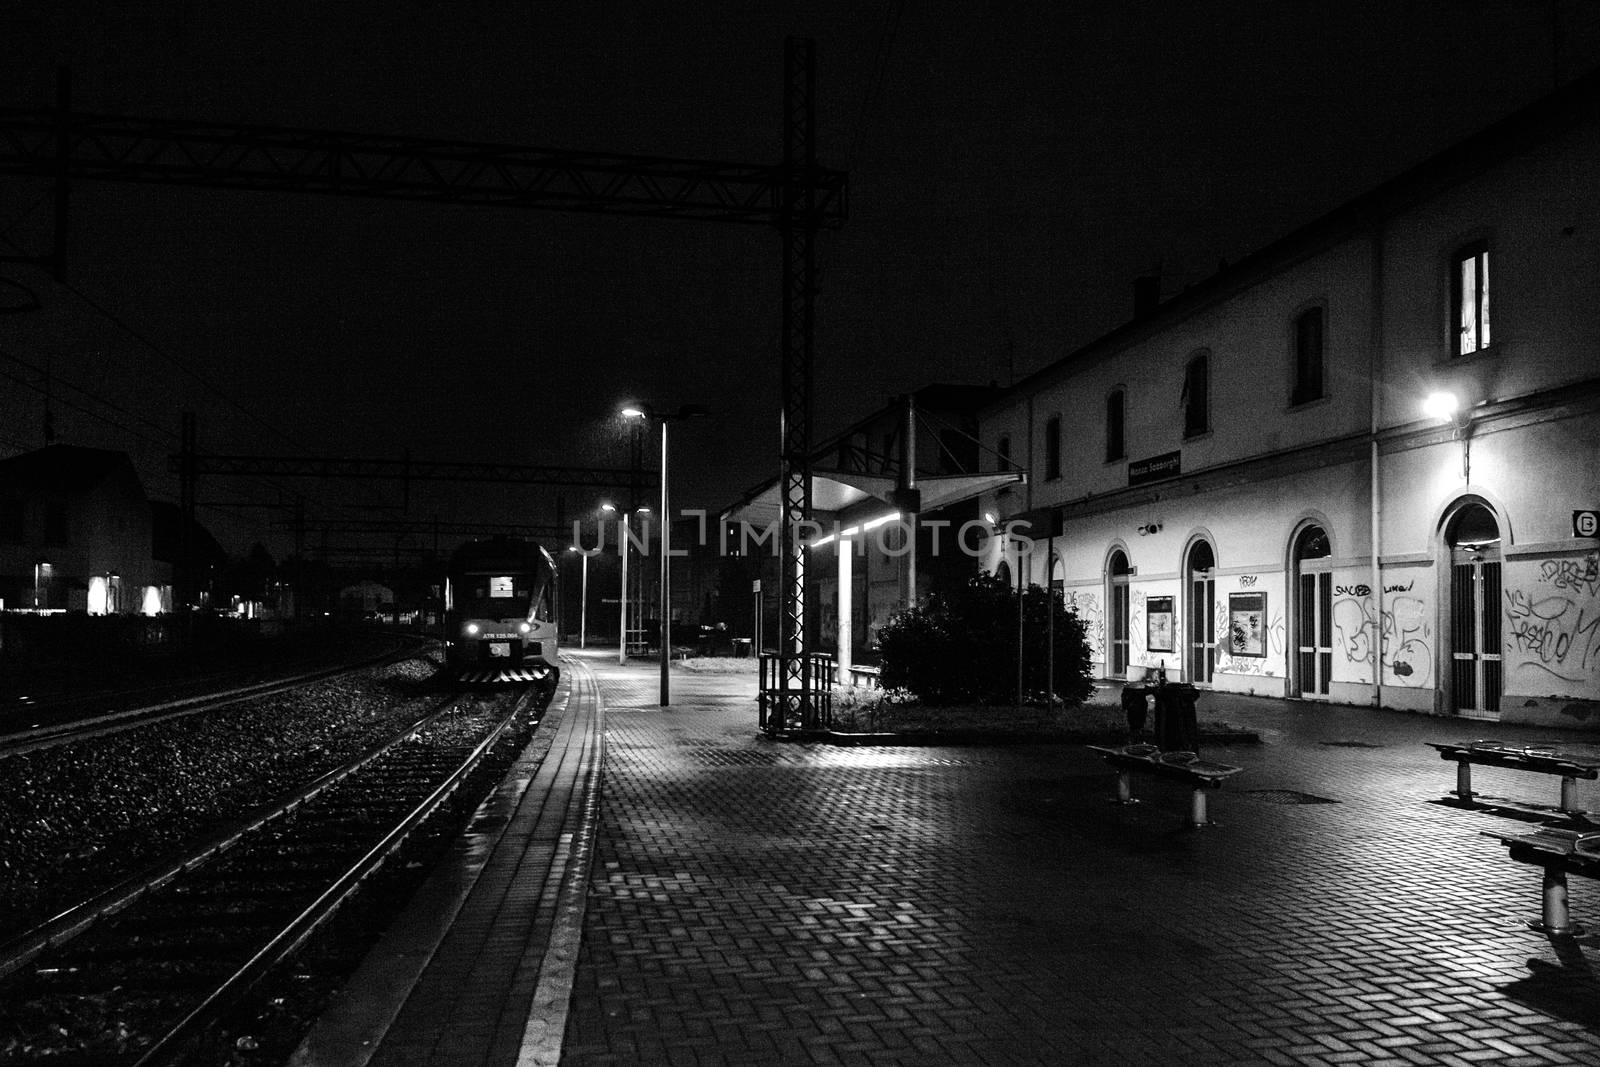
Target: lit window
pixel 1308 332
pixel 1197 395
pixel 1469 299
pixel 1052 447
pixel 1115 416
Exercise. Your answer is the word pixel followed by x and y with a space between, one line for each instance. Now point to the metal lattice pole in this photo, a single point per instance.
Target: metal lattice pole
pixel 798 228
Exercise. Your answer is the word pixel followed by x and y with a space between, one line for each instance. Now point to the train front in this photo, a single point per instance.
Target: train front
pixel 500 627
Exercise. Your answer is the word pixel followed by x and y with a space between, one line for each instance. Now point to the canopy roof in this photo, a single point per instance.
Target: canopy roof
pixel 835 492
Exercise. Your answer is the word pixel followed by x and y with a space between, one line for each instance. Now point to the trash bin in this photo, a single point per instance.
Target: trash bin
pixel 1177 728
pixel 1136 706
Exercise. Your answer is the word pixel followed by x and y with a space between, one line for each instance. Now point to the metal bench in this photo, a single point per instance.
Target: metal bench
pixel 1559 852
pixel 1569 760
pixel 1187 767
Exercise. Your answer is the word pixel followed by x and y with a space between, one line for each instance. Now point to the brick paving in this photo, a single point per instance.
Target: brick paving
pixel 757 902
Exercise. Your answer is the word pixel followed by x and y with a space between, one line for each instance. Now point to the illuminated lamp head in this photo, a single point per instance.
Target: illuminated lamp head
pixel 472 629
pixel 1442 406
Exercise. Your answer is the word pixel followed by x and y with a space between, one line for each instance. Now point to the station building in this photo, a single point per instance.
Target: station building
pixel 1359 466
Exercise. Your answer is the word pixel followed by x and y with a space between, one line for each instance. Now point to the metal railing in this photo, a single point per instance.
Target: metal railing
pixel 778 706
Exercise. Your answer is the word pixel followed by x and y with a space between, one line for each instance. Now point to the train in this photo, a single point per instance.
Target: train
pixel 499 613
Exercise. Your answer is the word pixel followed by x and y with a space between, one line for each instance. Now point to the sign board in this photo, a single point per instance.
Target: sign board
pixel 1155 469
pixel 1586 524
pixel 755 585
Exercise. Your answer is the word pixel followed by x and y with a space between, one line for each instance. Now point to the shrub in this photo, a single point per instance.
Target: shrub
pixel 961 647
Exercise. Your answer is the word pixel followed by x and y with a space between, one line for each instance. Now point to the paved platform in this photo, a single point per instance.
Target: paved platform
pixel 754 901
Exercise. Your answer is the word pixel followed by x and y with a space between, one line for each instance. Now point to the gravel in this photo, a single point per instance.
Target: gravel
pixel 76 818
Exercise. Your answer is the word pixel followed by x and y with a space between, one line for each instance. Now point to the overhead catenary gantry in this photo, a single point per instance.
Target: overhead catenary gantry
pixel 796 196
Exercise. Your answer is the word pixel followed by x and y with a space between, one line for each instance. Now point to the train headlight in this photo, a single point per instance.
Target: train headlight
pixel 472 629
pixel 526 627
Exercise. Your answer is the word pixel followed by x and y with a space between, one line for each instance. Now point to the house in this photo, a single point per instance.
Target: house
pixel 75 534
pixel 1361 465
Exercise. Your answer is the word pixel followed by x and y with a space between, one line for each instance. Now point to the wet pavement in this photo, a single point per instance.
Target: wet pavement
pixel 754 901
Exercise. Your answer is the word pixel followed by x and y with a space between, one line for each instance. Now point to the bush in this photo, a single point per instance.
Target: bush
pixel 962 647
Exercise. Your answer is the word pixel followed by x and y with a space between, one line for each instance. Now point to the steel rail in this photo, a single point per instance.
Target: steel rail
pixel 42 737
pixel 65 925
pixel 285 943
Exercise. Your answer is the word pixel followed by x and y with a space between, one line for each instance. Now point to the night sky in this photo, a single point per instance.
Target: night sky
pixel 1012 168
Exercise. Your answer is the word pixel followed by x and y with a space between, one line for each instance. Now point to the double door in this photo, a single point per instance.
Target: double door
pixel 1475 668
pixel 1315 634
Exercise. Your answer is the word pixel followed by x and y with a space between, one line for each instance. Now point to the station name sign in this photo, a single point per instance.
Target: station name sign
pixel 1154 469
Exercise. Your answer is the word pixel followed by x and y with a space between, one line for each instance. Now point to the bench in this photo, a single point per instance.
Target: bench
pixel 1559 852
pixel 866 677
pixel 1570 761
pixel 1187 767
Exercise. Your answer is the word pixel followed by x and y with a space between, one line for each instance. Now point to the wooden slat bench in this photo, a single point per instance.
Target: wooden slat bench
pixel 1200 775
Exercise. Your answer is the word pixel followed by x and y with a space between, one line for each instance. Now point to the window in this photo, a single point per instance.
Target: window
pixel 1003 446
pixel 1469 299
pixel 1052 447
pixel 1196 395
pixel 1308 330
pixel 1114 422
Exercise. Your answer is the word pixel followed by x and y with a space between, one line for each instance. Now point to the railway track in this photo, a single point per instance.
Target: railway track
pixel 73 721
pixel 142 972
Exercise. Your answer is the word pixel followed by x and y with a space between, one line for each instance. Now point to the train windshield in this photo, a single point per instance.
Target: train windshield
pixel 498 596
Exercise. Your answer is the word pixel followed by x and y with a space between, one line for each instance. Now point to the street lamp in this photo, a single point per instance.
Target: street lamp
pixel 685 412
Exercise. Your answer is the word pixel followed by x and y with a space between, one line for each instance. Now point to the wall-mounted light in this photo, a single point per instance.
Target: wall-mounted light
pixel 1445 407
pixel 1149 528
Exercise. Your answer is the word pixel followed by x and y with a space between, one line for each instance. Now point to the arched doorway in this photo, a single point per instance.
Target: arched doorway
pixel 1118 573
pixel 1002 571
pixel 1202 630
pixel 1313 612
pixel 1472 537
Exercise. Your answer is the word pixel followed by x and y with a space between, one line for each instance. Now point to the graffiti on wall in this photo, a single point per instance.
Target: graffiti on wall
pixel 1403 625
pixel 1574 575
pixel 1086 605
pixel 1138 637
pixel 1553 628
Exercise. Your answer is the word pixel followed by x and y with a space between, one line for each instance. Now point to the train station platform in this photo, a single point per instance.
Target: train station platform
pixel 703 895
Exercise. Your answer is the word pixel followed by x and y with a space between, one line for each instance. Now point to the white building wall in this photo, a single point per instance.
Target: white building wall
pixel 1265 468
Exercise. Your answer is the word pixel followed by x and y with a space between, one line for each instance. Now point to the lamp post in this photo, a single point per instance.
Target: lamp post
pixel 687 411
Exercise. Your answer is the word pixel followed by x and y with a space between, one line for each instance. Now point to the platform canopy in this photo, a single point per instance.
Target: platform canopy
pixel 834 491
